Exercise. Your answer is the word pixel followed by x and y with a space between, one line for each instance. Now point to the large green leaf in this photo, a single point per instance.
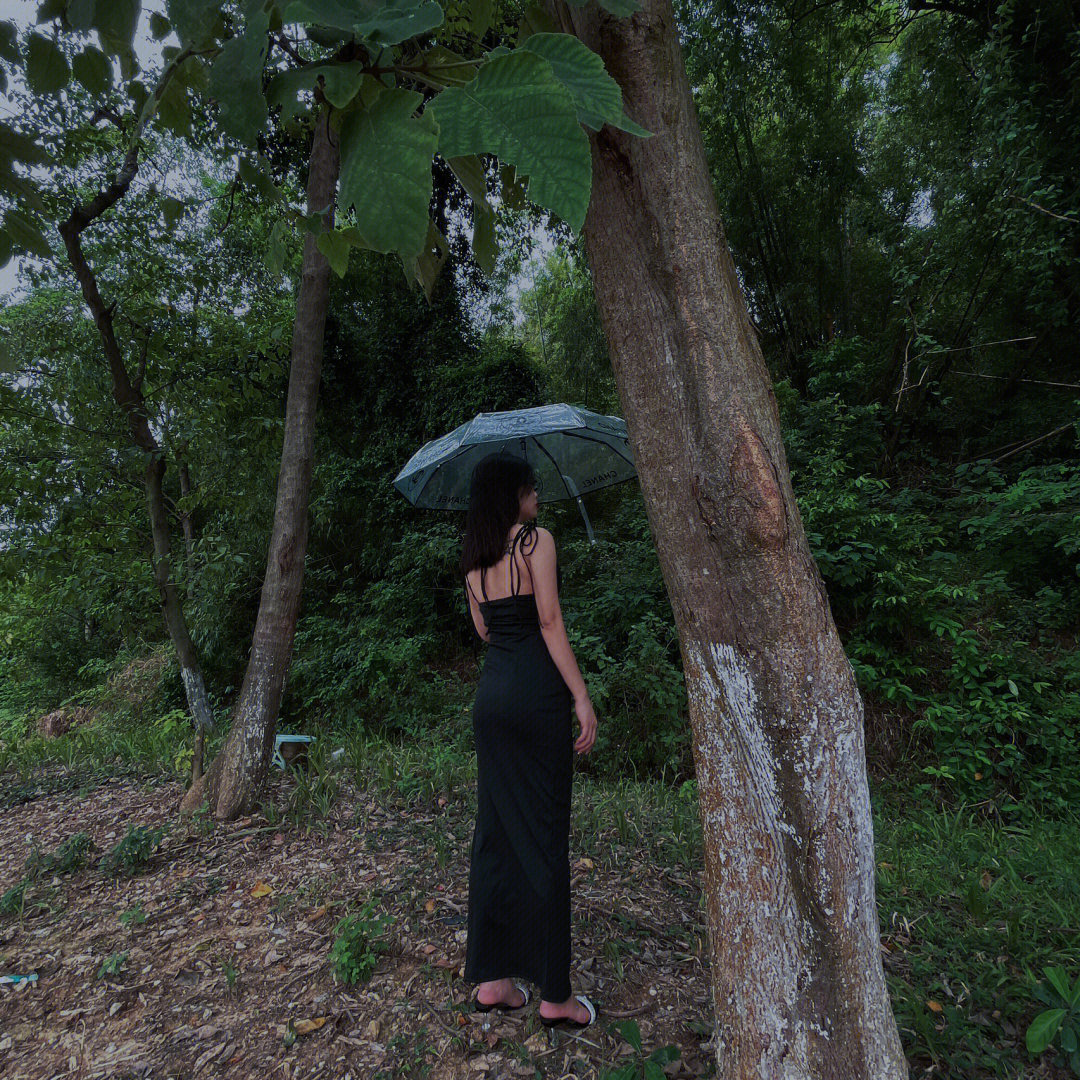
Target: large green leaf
pixel 15 146
pixel 1041 1032
pixel 115 22
pixel 341 82
pixel 236 77
pixel 47 70
pixel 425 267
pixel 470 173
pixel 93 69
pixel 518 110
pixel 195 21
pixel 622 8
pixel 25 234
pixel 386 171
pixel 385 22
pixel 484 240
pixel 9 41
pixel 596 94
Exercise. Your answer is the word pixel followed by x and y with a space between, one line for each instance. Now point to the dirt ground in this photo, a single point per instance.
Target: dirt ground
pixel 264 900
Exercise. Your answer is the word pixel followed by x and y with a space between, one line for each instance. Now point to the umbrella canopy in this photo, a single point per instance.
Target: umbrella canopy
pixel 572 451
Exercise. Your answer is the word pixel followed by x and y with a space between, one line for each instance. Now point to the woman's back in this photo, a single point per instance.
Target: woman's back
pixel 511 575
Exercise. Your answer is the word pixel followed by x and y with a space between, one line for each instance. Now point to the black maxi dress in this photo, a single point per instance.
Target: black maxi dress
pixel 519 876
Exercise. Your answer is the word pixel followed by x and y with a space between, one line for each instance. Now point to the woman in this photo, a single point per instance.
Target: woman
pixel 519 877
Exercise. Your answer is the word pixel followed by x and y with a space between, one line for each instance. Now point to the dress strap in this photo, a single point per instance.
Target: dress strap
pixel 528 529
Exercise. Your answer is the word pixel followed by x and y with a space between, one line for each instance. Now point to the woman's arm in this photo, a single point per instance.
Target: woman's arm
pixel 541 564
pixel 477 618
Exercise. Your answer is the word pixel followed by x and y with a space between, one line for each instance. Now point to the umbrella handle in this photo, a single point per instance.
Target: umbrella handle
pixel 572 488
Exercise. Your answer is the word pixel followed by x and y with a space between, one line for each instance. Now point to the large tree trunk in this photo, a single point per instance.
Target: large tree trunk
pixel 777 718
pixel 235 778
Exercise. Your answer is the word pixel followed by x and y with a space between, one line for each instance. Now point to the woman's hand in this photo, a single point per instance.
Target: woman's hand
pixel 587 719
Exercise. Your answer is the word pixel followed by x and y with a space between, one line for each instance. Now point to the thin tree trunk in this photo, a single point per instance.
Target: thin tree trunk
pixel 236 776
pixel 189 561
pixel 777 719
pixel 127 393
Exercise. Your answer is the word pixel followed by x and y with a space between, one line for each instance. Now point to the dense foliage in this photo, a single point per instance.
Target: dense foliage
pixel 898 183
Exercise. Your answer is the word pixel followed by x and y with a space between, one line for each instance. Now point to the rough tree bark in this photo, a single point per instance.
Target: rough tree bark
pixel 235 778
pixel 777 719
pixel 127 392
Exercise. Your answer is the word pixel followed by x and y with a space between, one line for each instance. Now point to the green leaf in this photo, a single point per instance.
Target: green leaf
pixel 480 12
pixel 622 8
pixel 25 234
pixel 14 146
pixel 391 22
pixel 1042 1030
pixel 341 82
pixel 80 14
pixel 1068 1039
pixel 50 9
pixel 630 1031
pixel 535 21
pixel 195 21
pixel 516 109
pixel 236 77
pixel 596 94
pixel 470 173
pixel 174 109
pixel 511 188
pixel 426 266
pixel 665 1055
pixel 8 362
pixel 9 41
pixel 652 1071
pixel 159 25
pixel 448 68
pixel 336 248
pixel 171 211
pixel 1059 981
pixel 47 70
pixel 275 252
pixel 386 171
pixel 93 69
pixel 115 22
pixel 485 243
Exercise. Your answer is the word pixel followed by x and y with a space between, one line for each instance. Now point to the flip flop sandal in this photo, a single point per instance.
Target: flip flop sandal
pixel 566 1021
pixel 479 1007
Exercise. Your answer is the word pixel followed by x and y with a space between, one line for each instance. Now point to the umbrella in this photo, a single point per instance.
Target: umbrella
pixel 572 451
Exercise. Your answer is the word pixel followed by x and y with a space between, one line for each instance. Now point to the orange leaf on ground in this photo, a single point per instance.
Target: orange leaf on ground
pixel 306 1027
pixel 934 1006
pixel 261 889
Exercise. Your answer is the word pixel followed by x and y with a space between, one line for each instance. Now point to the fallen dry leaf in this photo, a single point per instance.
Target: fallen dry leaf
pixel 261 889
pixel 934 1006
pixel 306 1027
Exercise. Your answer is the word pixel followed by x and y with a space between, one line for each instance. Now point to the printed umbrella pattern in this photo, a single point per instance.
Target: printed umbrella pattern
pixel 572 450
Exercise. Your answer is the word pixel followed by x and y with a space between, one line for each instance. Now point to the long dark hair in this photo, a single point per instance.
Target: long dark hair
pixel 494 504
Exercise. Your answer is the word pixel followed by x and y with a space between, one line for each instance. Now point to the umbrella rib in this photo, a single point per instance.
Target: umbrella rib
pixel 602 442
pixel 536 439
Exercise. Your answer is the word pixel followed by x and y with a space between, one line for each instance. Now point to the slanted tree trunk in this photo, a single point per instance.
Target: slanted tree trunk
pixel 777 719
pixel 235 778
pixel 127 392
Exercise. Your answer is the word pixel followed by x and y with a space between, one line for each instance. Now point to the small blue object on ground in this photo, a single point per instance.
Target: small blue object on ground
pixel 277 759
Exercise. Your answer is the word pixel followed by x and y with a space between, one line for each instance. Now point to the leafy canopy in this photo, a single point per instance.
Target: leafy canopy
pixel 402 80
